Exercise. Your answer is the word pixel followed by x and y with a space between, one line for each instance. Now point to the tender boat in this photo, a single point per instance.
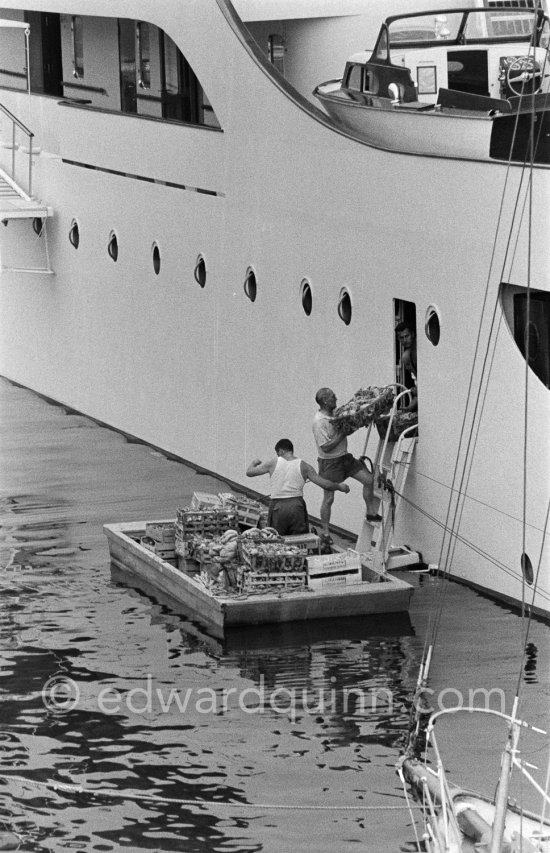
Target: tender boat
pixel 377 593
pixel 458 83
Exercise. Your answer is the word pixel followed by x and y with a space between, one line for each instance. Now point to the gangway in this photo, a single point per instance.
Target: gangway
pixel 390 469
pixel 16 173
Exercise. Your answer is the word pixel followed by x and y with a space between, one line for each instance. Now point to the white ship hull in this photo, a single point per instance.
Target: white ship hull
pixel 214 378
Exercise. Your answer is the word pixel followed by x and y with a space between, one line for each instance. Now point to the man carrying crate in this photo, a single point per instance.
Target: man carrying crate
pixel 335 463
pixel 287 508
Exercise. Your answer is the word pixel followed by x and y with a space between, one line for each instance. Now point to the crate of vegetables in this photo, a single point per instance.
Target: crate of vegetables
pixel 267 552
pixel 401 422
pixel 204 522
pixel 249 512
pixel 365 406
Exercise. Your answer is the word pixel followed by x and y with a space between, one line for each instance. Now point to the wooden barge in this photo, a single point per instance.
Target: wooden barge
pixel 375 594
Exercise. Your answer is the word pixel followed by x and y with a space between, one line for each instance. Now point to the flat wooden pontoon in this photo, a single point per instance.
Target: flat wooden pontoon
pixel 376 594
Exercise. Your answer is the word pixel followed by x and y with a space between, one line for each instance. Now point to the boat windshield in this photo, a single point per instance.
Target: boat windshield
pixel 459 27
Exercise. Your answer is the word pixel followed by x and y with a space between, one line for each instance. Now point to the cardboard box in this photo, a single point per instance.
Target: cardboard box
pixel 342 569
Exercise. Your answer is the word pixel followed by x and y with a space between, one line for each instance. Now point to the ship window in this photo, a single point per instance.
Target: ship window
pixel 344 306
pixel 74 234
pixel 527 569
pixel 156 258
pixel 307 297
pixel 355 75
pixel 250 287
pixel 426 79
pixel 112 247
pixel 38 225
pixel 432 325
pixel 276 51
pixel 144 53
pixel 200 271
pixel 78 46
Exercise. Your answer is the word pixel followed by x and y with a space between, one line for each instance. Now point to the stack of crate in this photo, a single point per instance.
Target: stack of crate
pixel 160 538
pixel 192 524
pixel 271 564
pixel 250 513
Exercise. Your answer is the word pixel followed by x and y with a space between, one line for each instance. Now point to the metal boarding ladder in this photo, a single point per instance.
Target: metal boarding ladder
pixel 17 202
pixel 390 468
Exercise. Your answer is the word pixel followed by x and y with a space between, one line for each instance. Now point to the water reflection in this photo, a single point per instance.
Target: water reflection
pixel 180 740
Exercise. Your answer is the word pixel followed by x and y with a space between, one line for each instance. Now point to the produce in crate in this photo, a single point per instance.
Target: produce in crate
pixel 221 549
pixel 401 422
pixel 365 405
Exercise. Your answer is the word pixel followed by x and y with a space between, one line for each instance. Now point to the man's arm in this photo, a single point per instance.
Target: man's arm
pixel 258 467
pixel 309 473
pixel 334 442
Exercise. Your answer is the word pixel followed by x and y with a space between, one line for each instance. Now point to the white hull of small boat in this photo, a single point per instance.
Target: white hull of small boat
pixel 475 817
pixel 430 132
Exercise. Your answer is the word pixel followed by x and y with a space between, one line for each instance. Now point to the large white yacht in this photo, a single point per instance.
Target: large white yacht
pixel 191 247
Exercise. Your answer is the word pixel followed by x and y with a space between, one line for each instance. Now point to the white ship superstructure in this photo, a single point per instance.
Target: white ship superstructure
pixel 206 249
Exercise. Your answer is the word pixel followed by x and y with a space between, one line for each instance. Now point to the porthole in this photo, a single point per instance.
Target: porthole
pixel 112 248
pixel 306 296
pixel 344 306
pixel 432 326
pixel 200 271
pixel 74 234
pixel 250 284
pixel 156 258
pixel 527 569
pixel 38 225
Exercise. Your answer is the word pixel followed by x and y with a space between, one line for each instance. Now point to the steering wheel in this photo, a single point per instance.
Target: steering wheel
pixel 521 70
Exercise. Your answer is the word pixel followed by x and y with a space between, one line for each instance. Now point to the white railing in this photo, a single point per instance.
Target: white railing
pixel 19 129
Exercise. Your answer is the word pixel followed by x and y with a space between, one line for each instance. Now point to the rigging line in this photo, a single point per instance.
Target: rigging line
pixel 476 500
pixel 484 305
pixel 468 464
pixel 110 793
pixel 448 546
pixel 475 548
pixel 471 411
pixel 535 589
pixel 453 535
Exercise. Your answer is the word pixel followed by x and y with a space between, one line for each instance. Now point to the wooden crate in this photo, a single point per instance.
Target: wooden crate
pixel 310 541
pixel 205 500
pixel 341 569
pixel 272 556
pixel 161 549
pixel 161 531
pixel 270 581
pixel 205 523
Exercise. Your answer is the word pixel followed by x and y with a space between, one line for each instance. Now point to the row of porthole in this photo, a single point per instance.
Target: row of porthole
pixel 431 327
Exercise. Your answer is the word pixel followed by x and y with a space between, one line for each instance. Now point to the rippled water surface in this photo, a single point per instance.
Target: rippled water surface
pixel 158 737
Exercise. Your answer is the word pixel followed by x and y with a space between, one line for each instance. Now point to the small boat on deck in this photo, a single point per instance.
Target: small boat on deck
pixel 456 83
pixel 375 592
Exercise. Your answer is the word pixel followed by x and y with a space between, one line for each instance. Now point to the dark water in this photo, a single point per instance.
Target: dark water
pixel 276 739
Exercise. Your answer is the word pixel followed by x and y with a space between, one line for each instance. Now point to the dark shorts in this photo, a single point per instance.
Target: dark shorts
pixel 340 467
pixel 288 516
